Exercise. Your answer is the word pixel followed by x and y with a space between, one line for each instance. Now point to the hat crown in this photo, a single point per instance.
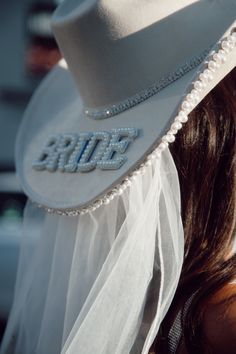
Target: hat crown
pixel 115 49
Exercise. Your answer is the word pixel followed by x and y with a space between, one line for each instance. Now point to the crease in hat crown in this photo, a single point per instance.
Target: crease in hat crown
pixel 122 52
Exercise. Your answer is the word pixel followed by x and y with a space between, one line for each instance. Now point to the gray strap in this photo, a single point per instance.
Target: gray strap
pixel 174 334
pixel 176 328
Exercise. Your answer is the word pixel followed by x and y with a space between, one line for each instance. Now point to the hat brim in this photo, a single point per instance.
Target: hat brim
pixel 57 108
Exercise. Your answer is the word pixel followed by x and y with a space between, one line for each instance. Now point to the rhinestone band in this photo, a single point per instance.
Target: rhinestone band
pixel 147 92
pixel 212 65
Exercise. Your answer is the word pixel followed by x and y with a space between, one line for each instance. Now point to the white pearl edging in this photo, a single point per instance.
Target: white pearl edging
pixel 191 99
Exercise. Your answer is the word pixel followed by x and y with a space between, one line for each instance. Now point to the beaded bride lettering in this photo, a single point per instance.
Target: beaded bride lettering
pixel 85 151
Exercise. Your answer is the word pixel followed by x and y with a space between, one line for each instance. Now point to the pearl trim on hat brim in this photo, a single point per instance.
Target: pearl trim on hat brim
pixel 200 87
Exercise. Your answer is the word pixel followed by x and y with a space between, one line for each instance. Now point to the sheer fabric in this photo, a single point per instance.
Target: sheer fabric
pixel 103 281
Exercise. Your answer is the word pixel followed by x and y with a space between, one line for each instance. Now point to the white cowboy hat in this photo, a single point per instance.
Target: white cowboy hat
pixel 133 76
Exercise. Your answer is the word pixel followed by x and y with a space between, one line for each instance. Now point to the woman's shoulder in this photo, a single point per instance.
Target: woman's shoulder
pixel 219 320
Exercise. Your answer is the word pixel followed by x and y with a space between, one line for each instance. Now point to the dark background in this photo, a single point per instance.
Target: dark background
pixel 27 52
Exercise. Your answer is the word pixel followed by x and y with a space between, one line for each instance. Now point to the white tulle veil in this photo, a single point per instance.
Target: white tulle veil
pixel 101 282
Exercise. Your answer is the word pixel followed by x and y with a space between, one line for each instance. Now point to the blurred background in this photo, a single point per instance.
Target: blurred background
pixel 28 51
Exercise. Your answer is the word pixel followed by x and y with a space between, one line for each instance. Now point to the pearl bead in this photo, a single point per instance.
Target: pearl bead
pixel 186 106
pixel 222 52
pixel 233 35
pixel 136 173
pixel 142 170
pixel 158 153
pixel 230 41
pixel 203 78
pixel 195 93
pixel 148 163
pixel 172 131
pixel 153 155
pixel 142 165
pixel 231 44
pixel 124 186
pixel 164 139
pixel 182 117
pixel 192 98
pixel 106 200
pixel 133 178
pixel 170 138
pixel 198 85
pixel 217 58
pixel 208 74
pixel 222 55
pixel 189 97
pixel 122 189
pixel 163 145
pixel 92 208
pixel 176 126
pixel 111 196
pixel 212 65
pixel 127 182
pixel 119 190
pixel 98 203
pixel 226 46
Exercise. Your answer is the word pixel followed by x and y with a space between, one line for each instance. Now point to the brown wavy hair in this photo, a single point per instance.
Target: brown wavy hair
pixel 205 156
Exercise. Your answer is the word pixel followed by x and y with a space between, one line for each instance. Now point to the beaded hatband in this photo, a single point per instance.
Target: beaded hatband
pixel 147 92
pixel 217 58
